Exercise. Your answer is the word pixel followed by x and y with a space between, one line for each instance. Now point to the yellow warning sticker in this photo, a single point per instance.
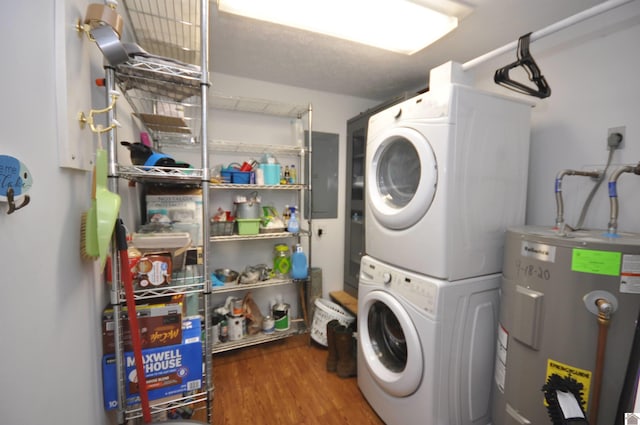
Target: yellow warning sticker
pixel 582 376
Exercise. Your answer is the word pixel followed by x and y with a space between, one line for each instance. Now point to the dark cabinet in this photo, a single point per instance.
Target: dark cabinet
pixel 354 216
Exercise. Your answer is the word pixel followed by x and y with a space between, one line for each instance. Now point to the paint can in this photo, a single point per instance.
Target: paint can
pixel 268 325
pixel 281 316
pixel 236 327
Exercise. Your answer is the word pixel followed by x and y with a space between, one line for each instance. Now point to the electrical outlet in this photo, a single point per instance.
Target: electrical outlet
pixel 613 130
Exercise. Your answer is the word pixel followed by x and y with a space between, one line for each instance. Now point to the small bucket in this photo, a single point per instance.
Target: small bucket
pixel 326 311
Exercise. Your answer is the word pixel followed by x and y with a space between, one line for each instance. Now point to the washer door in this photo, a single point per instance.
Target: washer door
pixel 390 344
pixel 401 177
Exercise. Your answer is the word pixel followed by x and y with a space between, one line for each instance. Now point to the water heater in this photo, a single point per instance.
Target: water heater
pixel 569 305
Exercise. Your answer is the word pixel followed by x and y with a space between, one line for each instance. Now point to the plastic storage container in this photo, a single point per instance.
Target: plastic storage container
pixel 281 260
pixel 248 226
pixel 271 173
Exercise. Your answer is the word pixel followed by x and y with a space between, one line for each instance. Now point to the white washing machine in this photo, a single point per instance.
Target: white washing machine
pixel 446 175
pixel 426 346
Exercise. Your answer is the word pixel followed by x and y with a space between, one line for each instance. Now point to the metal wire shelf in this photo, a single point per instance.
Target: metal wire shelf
pixel 157 408
pixel 297 327
pixel 160 77
pixel 255 105
pixel 231 287
pixel 275 235
pixel 162 174
pixel 178 288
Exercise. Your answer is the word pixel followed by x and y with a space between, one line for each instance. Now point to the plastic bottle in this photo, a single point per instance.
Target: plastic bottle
pixel 293 175
pixel 287 175
pixel 299 268
pixel 293 226
pixel 286 215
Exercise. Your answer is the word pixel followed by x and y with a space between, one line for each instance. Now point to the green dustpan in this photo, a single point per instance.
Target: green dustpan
pixel 90 226
pixel 106 209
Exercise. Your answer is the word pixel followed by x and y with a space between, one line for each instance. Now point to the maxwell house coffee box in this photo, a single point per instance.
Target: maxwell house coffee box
pixel 169 370
pixel 160 324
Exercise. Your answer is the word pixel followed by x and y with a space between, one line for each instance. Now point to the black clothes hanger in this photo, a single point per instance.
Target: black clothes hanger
pixel 525 60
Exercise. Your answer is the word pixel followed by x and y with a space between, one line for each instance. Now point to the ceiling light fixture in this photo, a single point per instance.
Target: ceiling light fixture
pixel 402 26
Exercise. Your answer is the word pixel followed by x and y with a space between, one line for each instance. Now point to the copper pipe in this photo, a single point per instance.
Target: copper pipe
pixel 604 316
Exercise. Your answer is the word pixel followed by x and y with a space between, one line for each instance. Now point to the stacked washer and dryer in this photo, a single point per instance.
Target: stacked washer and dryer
pixel 446 175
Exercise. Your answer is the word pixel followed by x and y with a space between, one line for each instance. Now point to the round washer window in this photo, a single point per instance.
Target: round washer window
pixel 387 338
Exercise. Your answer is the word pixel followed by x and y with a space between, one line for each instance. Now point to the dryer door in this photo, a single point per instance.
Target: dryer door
pixel 390 344
pixel 401 177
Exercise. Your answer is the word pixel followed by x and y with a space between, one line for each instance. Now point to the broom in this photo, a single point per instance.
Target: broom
pixel 127 281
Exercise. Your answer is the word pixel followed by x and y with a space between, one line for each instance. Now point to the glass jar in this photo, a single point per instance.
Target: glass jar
pixel 281 260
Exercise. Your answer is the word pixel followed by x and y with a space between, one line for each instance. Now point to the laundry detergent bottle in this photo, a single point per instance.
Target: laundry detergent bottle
pixel 299 269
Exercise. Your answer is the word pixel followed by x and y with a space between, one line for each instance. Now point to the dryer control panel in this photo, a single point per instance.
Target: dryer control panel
pixel 419 291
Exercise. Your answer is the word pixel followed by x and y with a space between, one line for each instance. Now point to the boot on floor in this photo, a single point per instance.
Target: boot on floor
pixel 332 357
pixel 346 347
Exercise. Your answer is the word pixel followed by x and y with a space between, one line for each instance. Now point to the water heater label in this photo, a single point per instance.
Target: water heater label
pixel 500 370
pixel 596 262
pixel 538 251
pixel 630 274
pixel 582 376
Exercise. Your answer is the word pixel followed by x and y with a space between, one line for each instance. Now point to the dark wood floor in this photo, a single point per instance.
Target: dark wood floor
pixel 285 383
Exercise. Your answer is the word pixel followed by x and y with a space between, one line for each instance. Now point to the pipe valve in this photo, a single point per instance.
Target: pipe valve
pixel 605 309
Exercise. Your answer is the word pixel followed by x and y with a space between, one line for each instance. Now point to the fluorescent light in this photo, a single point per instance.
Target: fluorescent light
pixel 397 25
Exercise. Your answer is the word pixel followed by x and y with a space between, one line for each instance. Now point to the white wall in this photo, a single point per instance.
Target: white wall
pixel 592 69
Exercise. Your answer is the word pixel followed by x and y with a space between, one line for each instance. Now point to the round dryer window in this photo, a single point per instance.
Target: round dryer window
pixel 390 345
pixel 402 177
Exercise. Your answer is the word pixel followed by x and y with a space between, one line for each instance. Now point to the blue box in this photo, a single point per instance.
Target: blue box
pixel 170 370
pixel 240 177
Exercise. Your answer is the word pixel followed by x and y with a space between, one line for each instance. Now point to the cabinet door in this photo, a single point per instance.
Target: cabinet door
pixel 354 214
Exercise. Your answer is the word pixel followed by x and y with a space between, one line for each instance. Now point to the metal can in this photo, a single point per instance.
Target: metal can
pixel 281 316
pixel 236 327
pixel 268 325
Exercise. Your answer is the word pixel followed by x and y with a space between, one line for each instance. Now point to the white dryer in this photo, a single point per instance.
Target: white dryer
pixel 446 175
pixel 426 346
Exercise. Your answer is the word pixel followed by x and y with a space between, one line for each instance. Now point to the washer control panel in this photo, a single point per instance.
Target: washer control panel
pixel 420 291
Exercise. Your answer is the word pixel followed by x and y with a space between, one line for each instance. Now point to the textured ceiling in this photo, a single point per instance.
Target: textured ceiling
pixel 268 52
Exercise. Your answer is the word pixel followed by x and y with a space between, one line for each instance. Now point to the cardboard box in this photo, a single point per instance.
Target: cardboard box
pixel 160 325
pixel 181 207
pixel 170 370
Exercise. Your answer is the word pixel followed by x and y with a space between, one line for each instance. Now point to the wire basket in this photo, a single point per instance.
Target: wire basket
pixel 221 228
pixel 326 311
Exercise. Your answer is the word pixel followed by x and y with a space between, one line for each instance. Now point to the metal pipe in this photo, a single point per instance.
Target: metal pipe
pixel 613 195
pixel 558 189
pixel 604 316
pixel 571 20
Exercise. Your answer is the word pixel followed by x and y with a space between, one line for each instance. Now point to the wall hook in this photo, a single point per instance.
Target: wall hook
pixel 12 203
pixel 84 119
